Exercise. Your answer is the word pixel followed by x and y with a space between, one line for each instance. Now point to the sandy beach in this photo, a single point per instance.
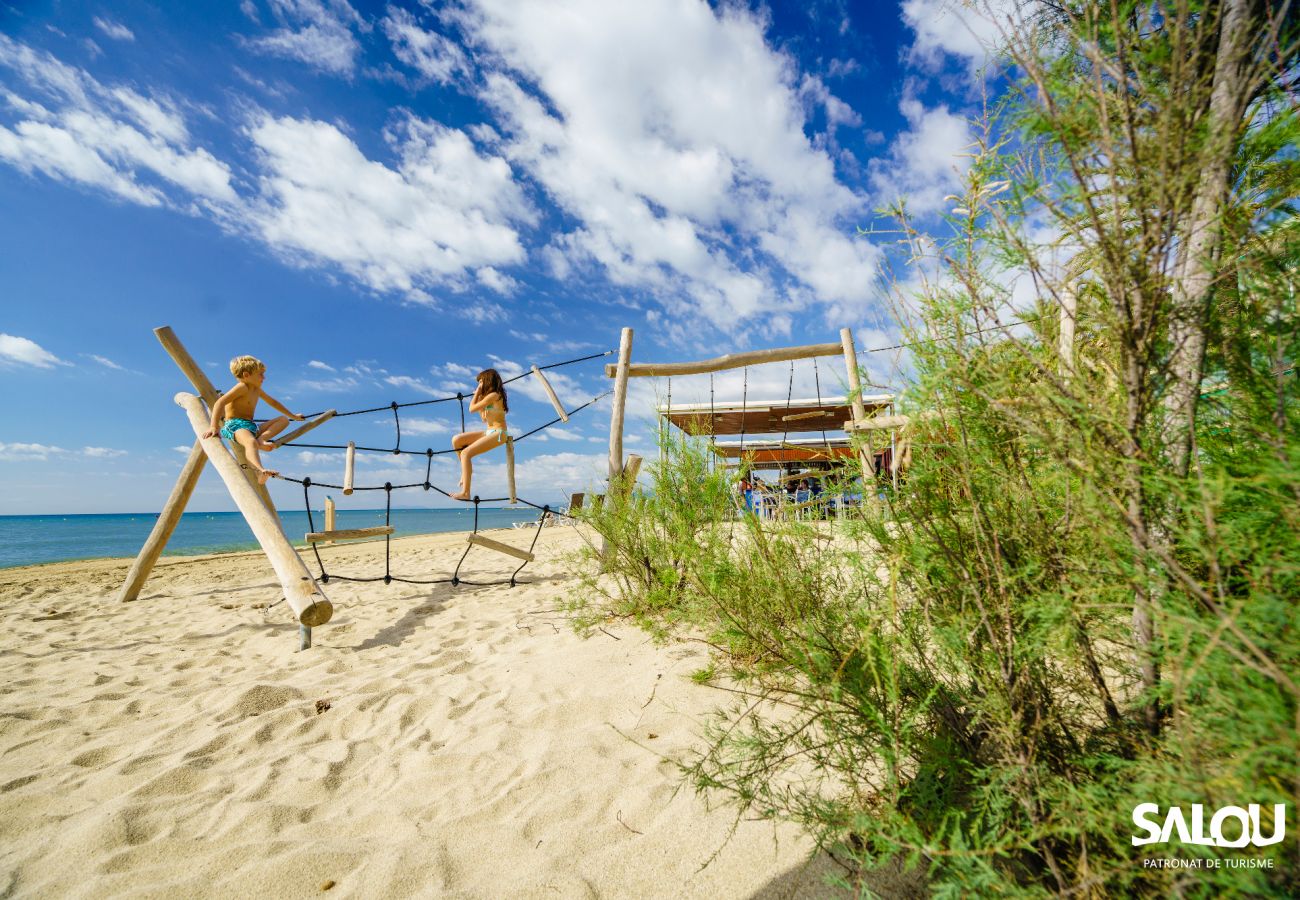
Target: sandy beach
pixel 435 741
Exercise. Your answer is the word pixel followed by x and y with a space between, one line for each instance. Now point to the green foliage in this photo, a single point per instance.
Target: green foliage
pixel 961 682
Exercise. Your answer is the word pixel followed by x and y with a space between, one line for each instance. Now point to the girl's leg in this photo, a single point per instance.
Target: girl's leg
pixel 459 443
pixel 248 441
pixel 482 445
pixel 269 430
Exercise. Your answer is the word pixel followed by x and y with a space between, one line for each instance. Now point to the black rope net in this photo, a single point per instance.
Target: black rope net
pixel 426 485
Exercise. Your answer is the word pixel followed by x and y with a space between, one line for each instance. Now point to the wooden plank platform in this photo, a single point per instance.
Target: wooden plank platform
pixel 347 534
pixel 499 547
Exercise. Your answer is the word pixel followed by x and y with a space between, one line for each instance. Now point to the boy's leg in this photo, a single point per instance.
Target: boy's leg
pixel 248 441
pixel 269 430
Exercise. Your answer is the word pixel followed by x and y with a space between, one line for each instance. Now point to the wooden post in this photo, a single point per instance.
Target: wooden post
pixel 619 405
pixel 859 412
pixel 627 480
pixel 616 414
pixel 510 469
pixel 851 365
pixel 329 515
pixel 1069 312
pixel 349 467
pixel 550 392
pixel 176 350
pixel 304 596
pixel 165 525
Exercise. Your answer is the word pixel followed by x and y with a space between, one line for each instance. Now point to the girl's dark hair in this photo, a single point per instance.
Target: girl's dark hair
pixel 490 380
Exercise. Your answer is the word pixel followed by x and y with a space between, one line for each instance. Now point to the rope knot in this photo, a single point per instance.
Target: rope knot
pixel 388 486
pixel 306 482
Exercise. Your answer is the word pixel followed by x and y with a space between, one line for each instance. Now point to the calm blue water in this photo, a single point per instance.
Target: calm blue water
pixel 36 539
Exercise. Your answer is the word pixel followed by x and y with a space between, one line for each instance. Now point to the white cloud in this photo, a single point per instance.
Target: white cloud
pixel 115 30
pixel 413 384
pixel 21 351
pixel 442 212
pixel 181 448
pixel 416 426
pixel 106 362
pixel 102 452
pixel 17 452
pixel 431 54
pixel 966 29
pixel 494 280
pixel 675 137
pixel 541 478
pixel 327 386
pixel 316 33
pixel 312 457
pixel 317 364
pixel 113 139
pixel 924 163
pixel 562 434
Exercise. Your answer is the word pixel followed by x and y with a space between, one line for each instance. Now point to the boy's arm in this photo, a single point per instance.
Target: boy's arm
pixel 219 408
pixel 271 401
pixel 485 400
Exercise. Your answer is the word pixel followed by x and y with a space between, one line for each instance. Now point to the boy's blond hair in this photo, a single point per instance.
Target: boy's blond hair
pixel 246 365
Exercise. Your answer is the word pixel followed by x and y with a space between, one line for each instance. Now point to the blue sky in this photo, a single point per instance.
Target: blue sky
pixel 380 199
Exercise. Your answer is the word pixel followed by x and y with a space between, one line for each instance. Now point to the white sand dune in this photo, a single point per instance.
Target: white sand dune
pixel 473 745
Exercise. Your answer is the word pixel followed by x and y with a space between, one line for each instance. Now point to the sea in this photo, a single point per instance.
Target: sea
pixel 25 540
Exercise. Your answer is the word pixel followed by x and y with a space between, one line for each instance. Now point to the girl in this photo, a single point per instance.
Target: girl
pixel 489 401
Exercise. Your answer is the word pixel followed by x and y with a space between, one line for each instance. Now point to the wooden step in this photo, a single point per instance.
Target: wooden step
pixel 499 547
pixel 347 534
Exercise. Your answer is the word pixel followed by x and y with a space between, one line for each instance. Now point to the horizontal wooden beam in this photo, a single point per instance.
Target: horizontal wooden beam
pixel 878 423
pixel 499 547
pixel 347 534
pixel 815 414
pixel 299 432
pixel 730 361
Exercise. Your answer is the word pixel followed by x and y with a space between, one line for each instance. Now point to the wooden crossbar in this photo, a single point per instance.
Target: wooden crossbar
pixel 499 547
pixel 815 414
pixel 877 423
pixel 550 392
pixel 730 361
pixel 300 431
pixel 347 534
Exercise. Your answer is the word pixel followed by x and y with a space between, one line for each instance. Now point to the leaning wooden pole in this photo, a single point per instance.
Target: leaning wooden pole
pixel 176 350
pixel 304 596
pixel 616 416
pixel 165 524
pixel 171 513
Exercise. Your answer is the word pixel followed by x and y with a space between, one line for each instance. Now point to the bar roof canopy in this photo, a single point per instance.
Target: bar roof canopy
pixel 768 416
pixel 793 450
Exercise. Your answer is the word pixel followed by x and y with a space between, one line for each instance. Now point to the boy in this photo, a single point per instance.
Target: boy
pixel 238 405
